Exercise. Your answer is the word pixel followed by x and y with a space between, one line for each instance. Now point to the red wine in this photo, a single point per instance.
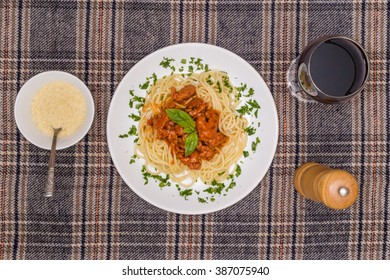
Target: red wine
pixel 338 67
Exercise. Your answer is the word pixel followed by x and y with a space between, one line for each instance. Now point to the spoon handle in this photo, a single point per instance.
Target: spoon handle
pixel 50 174
pixel 49 183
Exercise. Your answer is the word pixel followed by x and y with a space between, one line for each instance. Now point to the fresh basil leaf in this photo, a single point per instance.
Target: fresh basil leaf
pixel 188 130
pixel 190 143
pixel 181 118
pixel 184 120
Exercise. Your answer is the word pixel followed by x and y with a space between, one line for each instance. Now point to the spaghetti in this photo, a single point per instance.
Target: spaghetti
pixel 220 99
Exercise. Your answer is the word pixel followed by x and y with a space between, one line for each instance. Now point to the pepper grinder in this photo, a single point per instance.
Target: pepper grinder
pixel 335 188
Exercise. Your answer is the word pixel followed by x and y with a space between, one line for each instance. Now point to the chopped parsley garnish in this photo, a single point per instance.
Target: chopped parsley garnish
pixel 255 143
pixel 244 110
pixel 166 63
pixel 183 61
pixel 249 107
pixel 199 64
pixel 238 170
pixel 226 83
pixel 250 92
pixel 241 88
pixel 231 185
pixel 132 131
pixel 135 98
pixel 145 175
pixel 209 81
pixel 253 104
pixel 144 85
pixel 132 160
pixel 139 99
pixel 246 154
pixel 134 117
pixel 250 130
pixel 154 78
pixel 186 193
pixel 216 190
pixel 215 183
pixel 202 200
pixel 163 181
pixel 219 86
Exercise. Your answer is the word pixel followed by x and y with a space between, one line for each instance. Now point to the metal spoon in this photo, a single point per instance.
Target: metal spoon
pixel 50 173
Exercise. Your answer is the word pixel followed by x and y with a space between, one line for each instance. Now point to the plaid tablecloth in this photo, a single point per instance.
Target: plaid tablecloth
pixel 94 215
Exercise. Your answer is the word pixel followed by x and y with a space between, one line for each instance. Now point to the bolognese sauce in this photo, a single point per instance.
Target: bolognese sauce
pixel 210 139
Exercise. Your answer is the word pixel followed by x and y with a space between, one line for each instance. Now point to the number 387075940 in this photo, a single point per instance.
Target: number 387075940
pixel 241 270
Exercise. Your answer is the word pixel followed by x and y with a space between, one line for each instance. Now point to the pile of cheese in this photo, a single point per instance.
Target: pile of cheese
pixel 58 104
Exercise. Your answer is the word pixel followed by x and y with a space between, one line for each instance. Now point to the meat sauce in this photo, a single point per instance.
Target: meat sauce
pixel 210 139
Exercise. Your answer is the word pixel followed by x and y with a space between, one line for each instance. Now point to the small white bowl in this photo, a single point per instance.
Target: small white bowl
pixel 23 113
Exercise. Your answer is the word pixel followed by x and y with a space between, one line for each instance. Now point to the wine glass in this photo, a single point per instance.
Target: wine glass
pixel 331 69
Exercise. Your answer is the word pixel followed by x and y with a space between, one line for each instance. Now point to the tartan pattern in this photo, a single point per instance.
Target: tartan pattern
pixel 94 215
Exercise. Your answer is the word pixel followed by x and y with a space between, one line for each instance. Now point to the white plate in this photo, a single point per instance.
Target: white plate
pixel 23 113
pixel 253 167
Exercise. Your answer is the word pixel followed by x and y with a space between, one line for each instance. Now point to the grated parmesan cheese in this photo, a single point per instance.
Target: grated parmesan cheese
pixel 58 104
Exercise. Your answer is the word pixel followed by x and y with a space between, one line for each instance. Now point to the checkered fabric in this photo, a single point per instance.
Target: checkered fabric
pixel 94 215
